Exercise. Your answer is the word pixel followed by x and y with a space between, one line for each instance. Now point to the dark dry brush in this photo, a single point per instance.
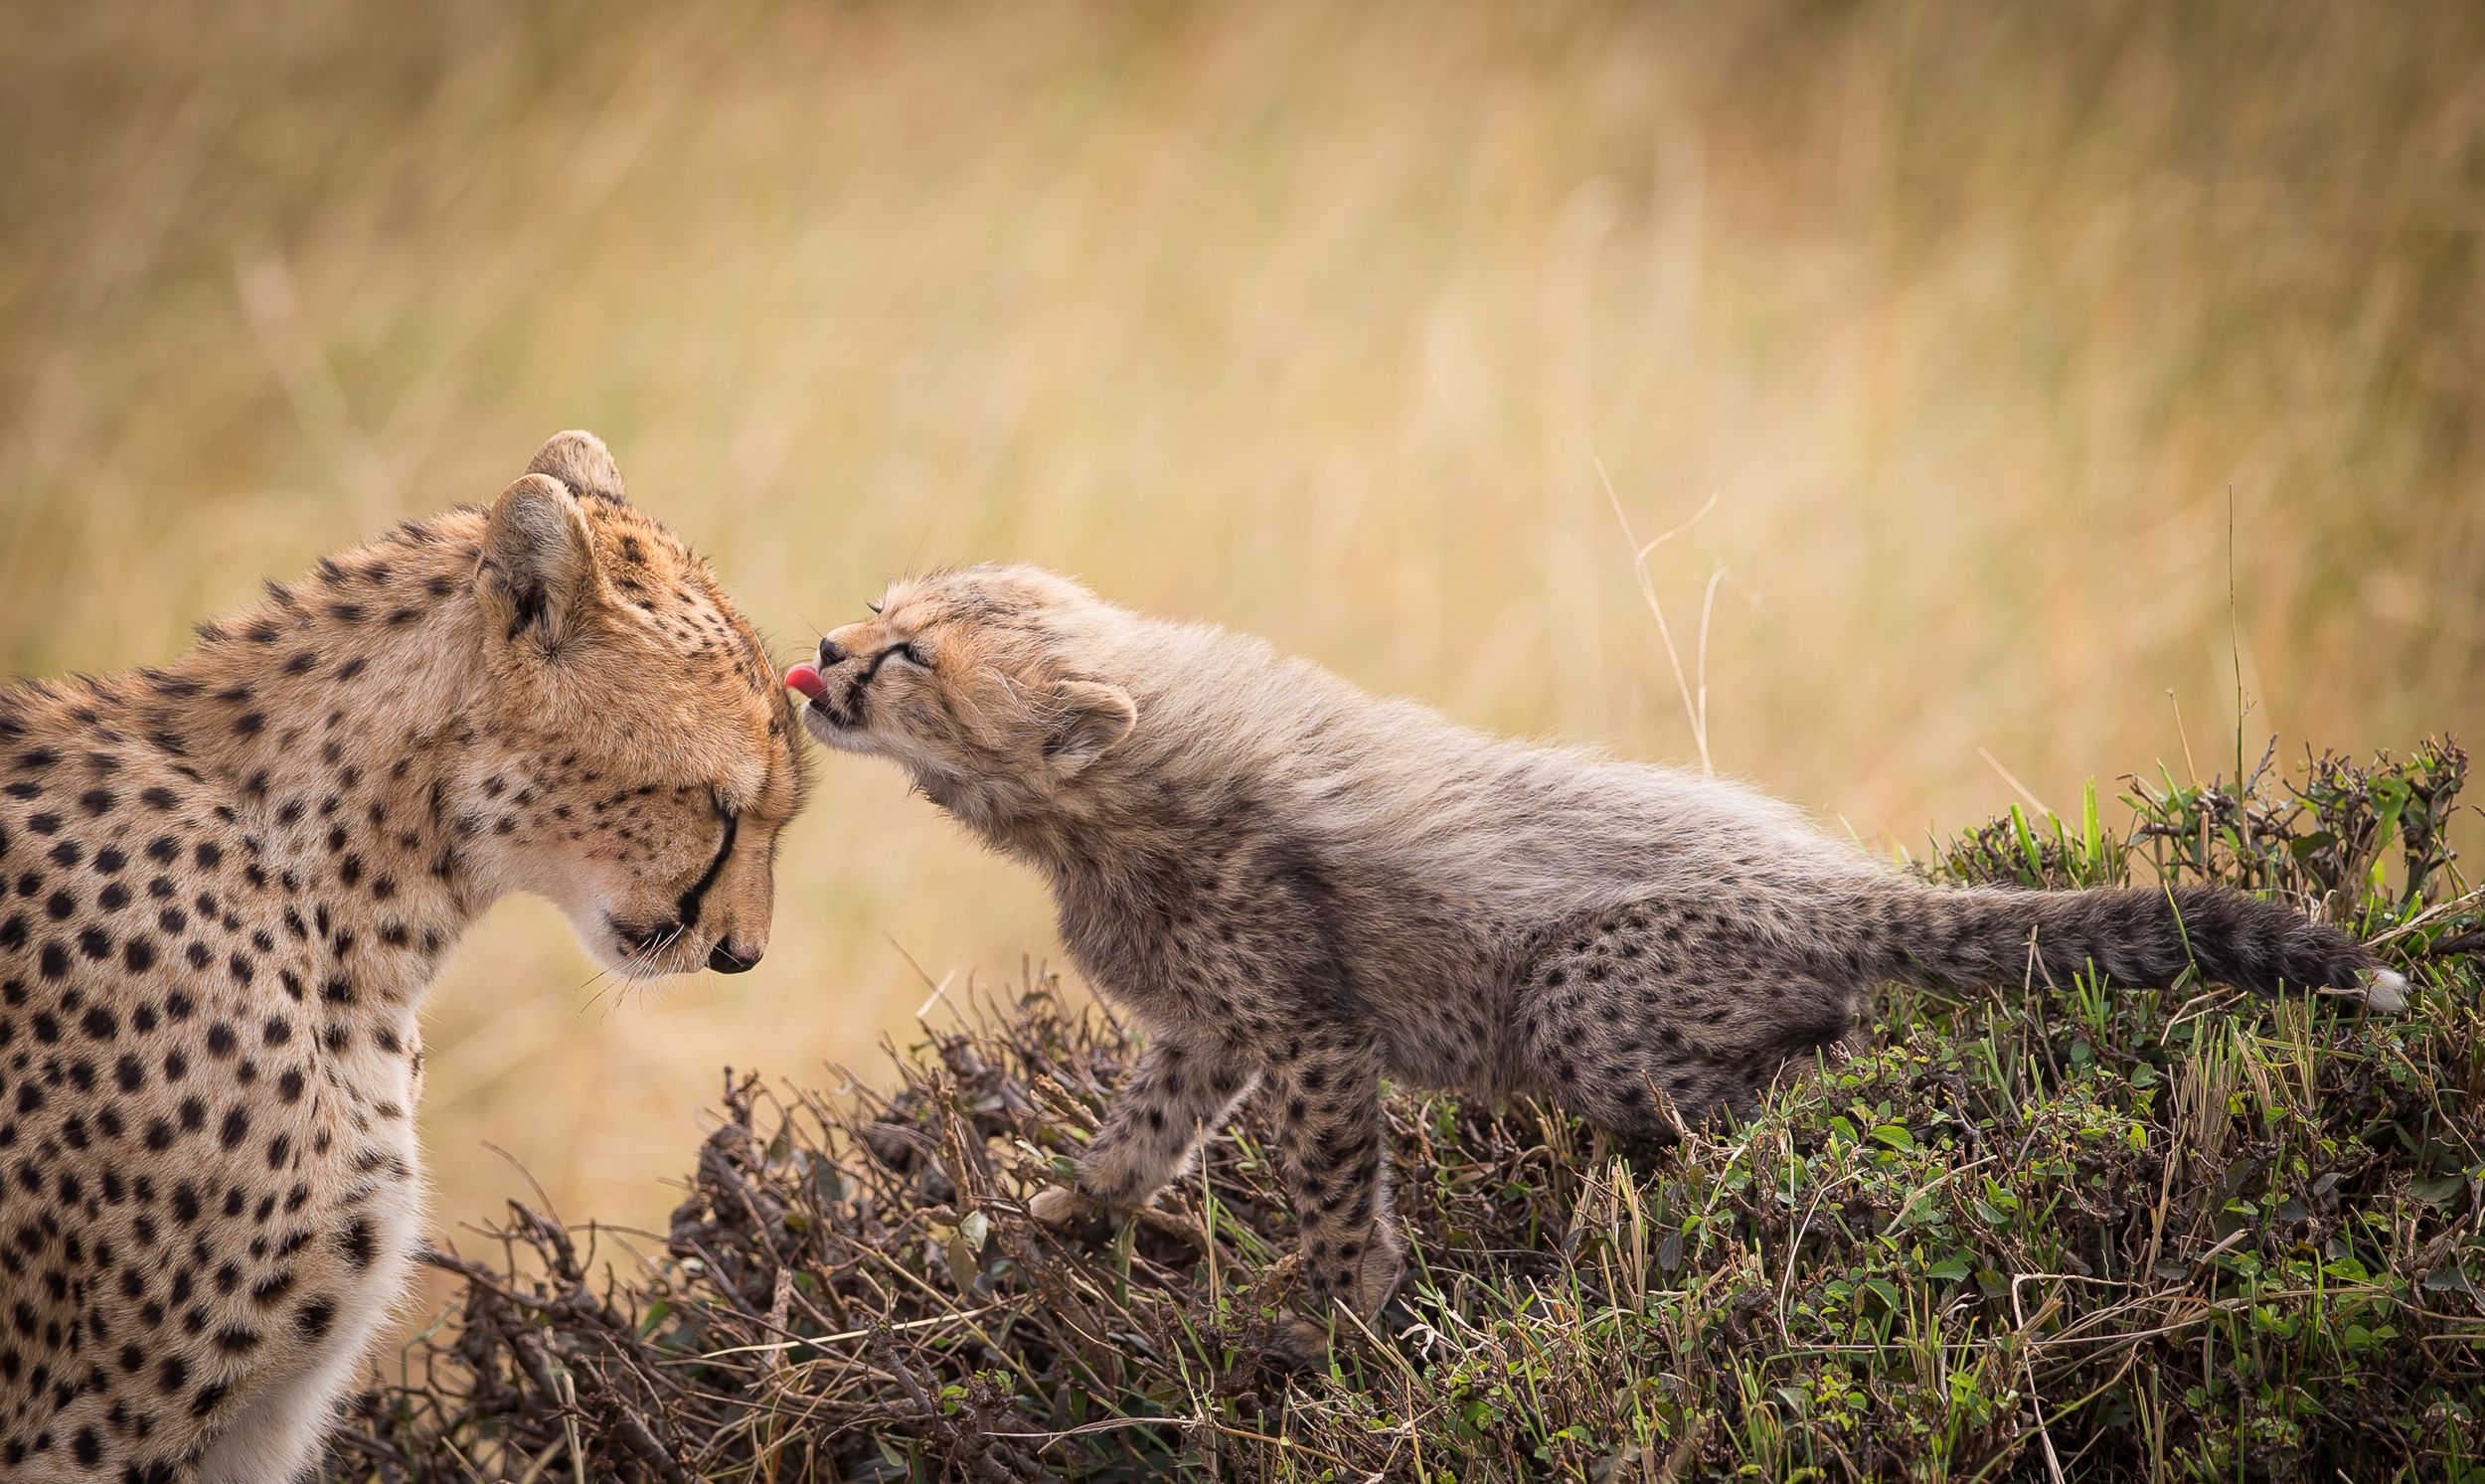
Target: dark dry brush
pixel 2056 1231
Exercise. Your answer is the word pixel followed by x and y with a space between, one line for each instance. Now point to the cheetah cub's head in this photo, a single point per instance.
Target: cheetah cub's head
pixel 971 680
pixel 633 757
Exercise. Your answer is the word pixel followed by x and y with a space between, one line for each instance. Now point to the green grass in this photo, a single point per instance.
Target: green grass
pixel 2057 1231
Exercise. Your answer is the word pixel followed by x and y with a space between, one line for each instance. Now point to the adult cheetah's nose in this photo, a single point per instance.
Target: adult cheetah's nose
pixel 728 961
pixel 831 654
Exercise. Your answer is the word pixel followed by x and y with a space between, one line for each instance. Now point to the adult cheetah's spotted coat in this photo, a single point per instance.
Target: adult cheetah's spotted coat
pixel 224 886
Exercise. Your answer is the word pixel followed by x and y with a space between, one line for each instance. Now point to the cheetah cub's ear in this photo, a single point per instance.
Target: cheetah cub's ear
pixel 538 569
pixel 1086 721
pixel 581 463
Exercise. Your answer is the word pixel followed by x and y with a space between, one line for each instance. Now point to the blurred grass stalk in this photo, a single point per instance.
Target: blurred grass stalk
pixel 1980 323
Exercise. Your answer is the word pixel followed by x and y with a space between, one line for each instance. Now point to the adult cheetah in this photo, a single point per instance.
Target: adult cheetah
pixel 223 888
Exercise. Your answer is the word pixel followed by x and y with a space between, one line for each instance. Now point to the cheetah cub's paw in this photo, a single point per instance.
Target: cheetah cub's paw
pixel 1059 1206
pixel 1295 1343
pixel 1376 1279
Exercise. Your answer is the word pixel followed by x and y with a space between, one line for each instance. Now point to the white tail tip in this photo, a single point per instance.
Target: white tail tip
pixel 2386 990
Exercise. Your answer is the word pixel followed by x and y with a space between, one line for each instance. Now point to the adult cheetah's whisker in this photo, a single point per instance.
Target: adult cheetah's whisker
pixel 631 971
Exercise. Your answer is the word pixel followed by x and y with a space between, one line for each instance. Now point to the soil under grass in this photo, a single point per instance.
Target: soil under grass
pixel 2056 1231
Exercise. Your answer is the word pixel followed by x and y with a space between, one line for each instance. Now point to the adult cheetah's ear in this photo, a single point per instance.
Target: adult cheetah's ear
pixel 581 463
pixel 538 569
pixel 1087 720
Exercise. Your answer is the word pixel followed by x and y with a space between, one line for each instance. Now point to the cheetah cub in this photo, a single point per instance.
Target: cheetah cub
pixel 1292 884
pixel 223 888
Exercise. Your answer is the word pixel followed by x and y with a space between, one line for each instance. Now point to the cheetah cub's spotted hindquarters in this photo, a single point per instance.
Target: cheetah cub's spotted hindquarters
pixel 224 886
pixel 1292 884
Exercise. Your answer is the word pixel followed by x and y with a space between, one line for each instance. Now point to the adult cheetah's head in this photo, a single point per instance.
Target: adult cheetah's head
pixel 971 679
pixel 633 758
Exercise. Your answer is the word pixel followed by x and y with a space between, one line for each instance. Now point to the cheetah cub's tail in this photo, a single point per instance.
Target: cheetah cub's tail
pixel 2138 935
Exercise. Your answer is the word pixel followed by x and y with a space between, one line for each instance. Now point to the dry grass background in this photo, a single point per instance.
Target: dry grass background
pixel 1982 325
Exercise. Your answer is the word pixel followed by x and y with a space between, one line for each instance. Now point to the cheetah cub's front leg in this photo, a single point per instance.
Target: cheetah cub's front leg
pixel 1328 1142
pixel 1325 1104
pixel 1179 1089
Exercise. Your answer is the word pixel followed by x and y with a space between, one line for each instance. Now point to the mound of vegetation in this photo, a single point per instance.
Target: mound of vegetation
pixel 2062 1231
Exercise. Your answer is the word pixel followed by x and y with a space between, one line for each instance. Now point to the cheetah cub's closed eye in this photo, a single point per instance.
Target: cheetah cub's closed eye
pixel 1294 886
pixel 225 886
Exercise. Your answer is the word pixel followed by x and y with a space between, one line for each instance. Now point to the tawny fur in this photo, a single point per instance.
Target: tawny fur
pixel 1292 884
pixel 223 888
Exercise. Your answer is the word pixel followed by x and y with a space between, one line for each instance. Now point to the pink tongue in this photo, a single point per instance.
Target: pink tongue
pixel 807 679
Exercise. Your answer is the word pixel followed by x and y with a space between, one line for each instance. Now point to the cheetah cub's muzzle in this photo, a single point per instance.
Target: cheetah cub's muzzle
pixel 821 709
pixel 839 689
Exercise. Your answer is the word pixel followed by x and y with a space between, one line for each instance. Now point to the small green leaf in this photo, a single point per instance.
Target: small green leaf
pixel 2439 1189
pixel 2027 845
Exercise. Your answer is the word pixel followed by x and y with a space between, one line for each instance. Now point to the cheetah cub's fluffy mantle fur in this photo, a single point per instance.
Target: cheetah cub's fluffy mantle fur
pixel 1292 884
pixel 223 888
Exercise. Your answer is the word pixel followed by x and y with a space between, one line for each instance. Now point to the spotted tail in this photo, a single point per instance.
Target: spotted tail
pixel 2140 935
